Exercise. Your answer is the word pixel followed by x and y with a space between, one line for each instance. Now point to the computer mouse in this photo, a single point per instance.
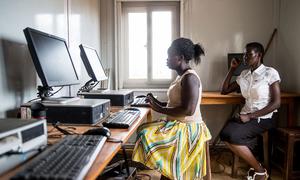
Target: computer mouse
pixel 140 96
pixel 132 108
pixel 98 131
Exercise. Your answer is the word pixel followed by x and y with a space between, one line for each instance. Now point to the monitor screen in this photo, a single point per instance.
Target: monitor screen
pixel 239 57
pixel 51 58
pixel 92 63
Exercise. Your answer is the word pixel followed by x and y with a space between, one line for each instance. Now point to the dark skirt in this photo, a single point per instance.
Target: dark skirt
pixel 239 133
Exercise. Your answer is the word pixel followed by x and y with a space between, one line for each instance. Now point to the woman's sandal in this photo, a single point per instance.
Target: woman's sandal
pixel 252 177
pixel 250 173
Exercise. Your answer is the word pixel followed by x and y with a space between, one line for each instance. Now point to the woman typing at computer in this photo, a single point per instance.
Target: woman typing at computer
pixel 175 146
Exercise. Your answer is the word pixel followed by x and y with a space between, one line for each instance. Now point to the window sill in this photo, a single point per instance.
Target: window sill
pixel 148 90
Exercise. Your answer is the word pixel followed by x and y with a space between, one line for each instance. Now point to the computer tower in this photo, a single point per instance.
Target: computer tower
pixel 19 140
pixel 82 111
pixel 117 97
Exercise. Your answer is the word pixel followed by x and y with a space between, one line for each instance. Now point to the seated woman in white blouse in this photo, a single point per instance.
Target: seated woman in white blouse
pixel 259 86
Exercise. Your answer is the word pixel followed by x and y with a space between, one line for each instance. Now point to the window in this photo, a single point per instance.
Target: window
pixel 147 30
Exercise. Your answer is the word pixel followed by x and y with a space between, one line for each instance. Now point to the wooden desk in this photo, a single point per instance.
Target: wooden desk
pixel 108 151
pixel 214 98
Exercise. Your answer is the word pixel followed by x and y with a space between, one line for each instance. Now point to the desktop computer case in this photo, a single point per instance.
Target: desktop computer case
pixel 20 136
pixel 117 97
pixel 83 111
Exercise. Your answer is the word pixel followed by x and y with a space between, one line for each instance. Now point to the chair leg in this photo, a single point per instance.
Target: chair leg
pixel 234 167
pixel 266 154
pixel 208 167
pixel 266 149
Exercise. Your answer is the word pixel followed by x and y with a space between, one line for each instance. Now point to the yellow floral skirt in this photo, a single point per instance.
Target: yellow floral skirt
pixel 174 148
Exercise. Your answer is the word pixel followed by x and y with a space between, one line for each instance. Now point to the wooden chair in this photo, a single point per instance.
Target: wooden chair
pixel 267 149
pixel 208 166
pixel 286 152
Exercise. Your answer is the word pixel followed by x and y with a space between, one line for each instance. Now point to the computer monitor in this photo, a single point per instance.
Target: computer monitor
pixel 51 58
pixel 92 63
pixel 239 57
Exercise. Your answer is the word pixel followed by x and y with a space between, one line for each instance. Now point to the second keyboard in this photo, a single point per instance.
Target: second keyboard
pixel 140 102
pixel 122 119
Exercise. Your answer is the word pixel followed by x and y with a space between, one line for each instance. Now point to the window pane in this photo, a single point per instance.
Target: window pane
pixel 137 45
pixel 161 40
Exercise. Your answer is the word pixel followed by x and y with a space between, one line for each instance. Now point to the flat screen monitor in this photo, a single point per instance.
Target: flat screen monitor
pixel 51 58
pixel 92 63
pixel 239 57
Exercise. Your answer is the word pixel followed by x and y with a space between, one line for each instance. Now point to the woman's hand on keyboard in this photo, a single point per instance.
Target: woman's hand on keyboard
pixel 154 103
pixel 150 97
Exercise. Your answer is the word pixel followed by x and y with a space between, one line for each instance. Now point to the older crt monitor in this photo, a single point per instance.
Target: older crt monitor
pixel 51 58
pixel 92 63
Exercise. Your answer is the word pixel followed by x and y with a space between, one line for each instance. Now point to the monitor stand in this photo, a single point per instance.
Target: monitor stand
pixel 89 85
pixel 46 96
pixel 59 100
pixel 99 90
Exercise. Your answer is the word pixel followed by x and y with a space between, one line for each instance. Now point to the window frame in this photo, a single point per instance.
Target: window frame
pixel 123 61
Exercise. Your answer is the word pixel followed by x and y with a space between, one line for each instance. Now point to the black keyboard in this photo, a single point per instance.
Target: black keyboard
pixel 140 102
pixel 71 158
pixel 122 119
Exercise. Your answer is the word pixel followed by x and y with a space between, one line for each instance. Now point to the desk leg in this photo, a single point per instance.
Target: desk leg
pixel 126 161
pixel 290 113
pixel 208 165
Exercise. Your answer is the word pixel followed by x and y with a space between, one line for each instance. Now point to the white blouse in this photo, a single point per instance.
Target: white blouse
pixel 255 88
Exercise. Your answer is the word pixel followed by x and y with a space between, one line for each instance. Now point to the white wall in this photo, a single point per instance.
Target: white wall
pixel 76 21
pixel 107 38
pixel 288 47
pixel 84 29
pixel 17 81
pixel 225 26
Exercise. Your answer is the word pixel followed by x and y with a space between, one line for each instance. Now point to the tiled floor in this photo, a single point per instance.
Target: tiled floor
pixel 221 167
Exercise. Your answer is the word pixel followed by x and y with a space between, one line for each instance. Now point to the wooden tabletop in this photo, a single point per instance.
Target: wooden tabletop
pixel 215 97
pixel 212 94
pixel 108 151
pixel 287 98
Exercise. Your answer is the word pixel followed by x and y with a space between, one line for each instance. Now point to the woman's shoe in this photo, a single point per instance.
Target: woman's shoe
pixel 252 177
pixel 250 173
